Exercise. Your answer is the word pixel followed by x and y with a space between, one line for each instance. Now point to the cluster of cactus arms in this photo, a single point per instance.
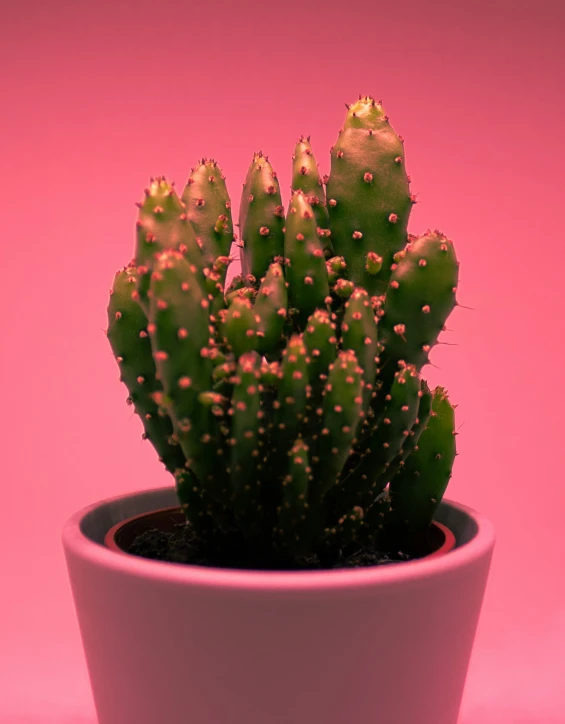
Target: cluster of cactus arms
pixel 289 404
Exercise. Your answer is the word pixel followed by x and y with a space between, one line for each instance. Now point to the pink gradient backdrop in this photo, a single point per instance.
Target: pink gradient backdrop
pixel 96 97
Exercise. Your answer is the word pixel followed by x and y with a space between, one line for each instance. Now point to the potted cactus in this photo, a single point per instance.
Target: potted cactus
pixel 303 567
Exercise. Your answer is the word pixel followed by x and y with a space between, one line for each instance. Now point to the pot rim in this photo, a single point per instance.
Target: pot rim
pixel 77 544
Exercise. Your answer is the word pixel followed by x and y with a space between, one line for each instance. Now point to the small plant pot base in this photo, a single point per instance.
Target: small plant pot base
pixel 165 535
pixel 173 643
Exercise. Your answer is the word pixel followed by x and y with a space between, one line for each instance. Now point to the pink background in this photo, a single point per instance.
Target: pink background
pixel 96 98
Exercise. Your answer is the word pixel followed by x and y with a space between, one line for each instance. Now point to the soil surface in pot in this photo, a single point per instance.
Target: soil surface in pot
pixel 177 542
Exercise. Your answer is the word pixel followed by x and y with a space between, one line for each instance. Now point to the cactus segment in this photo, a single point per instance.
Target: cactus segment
pixel 341 413
pixel 321 346
pixel 208 208
pixel 368 193
pixel 239 326
pixel 261 218
pixel 214 288
pixel 287 400
pixel 411 442
pixel 420 297
pixel 306 271
pixel 293 508
pixel 180 337
pixel 292 395
pixel 306 178
pixel 360 487
pixel 236 283
pixel 344 531
pixel 193 504
pixel 418 487
pixel 343 288
pixel 270 310
pixel 244 440
pixel 359 333
pixel 162 224
pixel 128 337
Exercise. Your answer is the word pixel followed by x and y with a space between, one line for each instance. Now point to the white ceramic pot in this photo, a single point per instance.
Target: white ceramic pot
pixel 167 643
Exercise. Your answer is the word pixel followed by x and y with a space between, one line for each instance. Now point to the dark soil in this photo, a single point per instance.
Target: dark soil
pixel 181 545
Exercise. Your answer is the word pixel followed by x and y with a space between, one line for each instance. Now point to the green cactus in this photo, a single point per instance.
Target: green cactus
pixel 208 209
pixel 368 194
pixel 181 344
pixel 261 218
pixel 289 406
pixel 411 441
pixel 321 344
pixel 162 225
pixel 129 339
pixel 240 325
pixel 244 440
pixel 293 392
pixel 306 271
pixel 341 412
pixel 197 506
pixel 293 509
pixel 359 333
pixel 418 488
pixel 306 178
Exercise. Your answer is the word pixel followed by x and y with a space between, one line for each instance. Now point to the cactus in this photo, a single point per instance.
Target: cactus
pixel 270 308
pixel 411 441
pixel 290 407
pixel 420 297
pixel 369 200
pixel 359 333
pixel 128 336
pixel 293 509
pixel 208 209
pixel 292 394
pixel 399 416
pixel 306 178
pixel 261 218
pixel 321 343
pixel 306 271
pixel 162 225
pixel 416 490
pixel 341 413
pixel 244 440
